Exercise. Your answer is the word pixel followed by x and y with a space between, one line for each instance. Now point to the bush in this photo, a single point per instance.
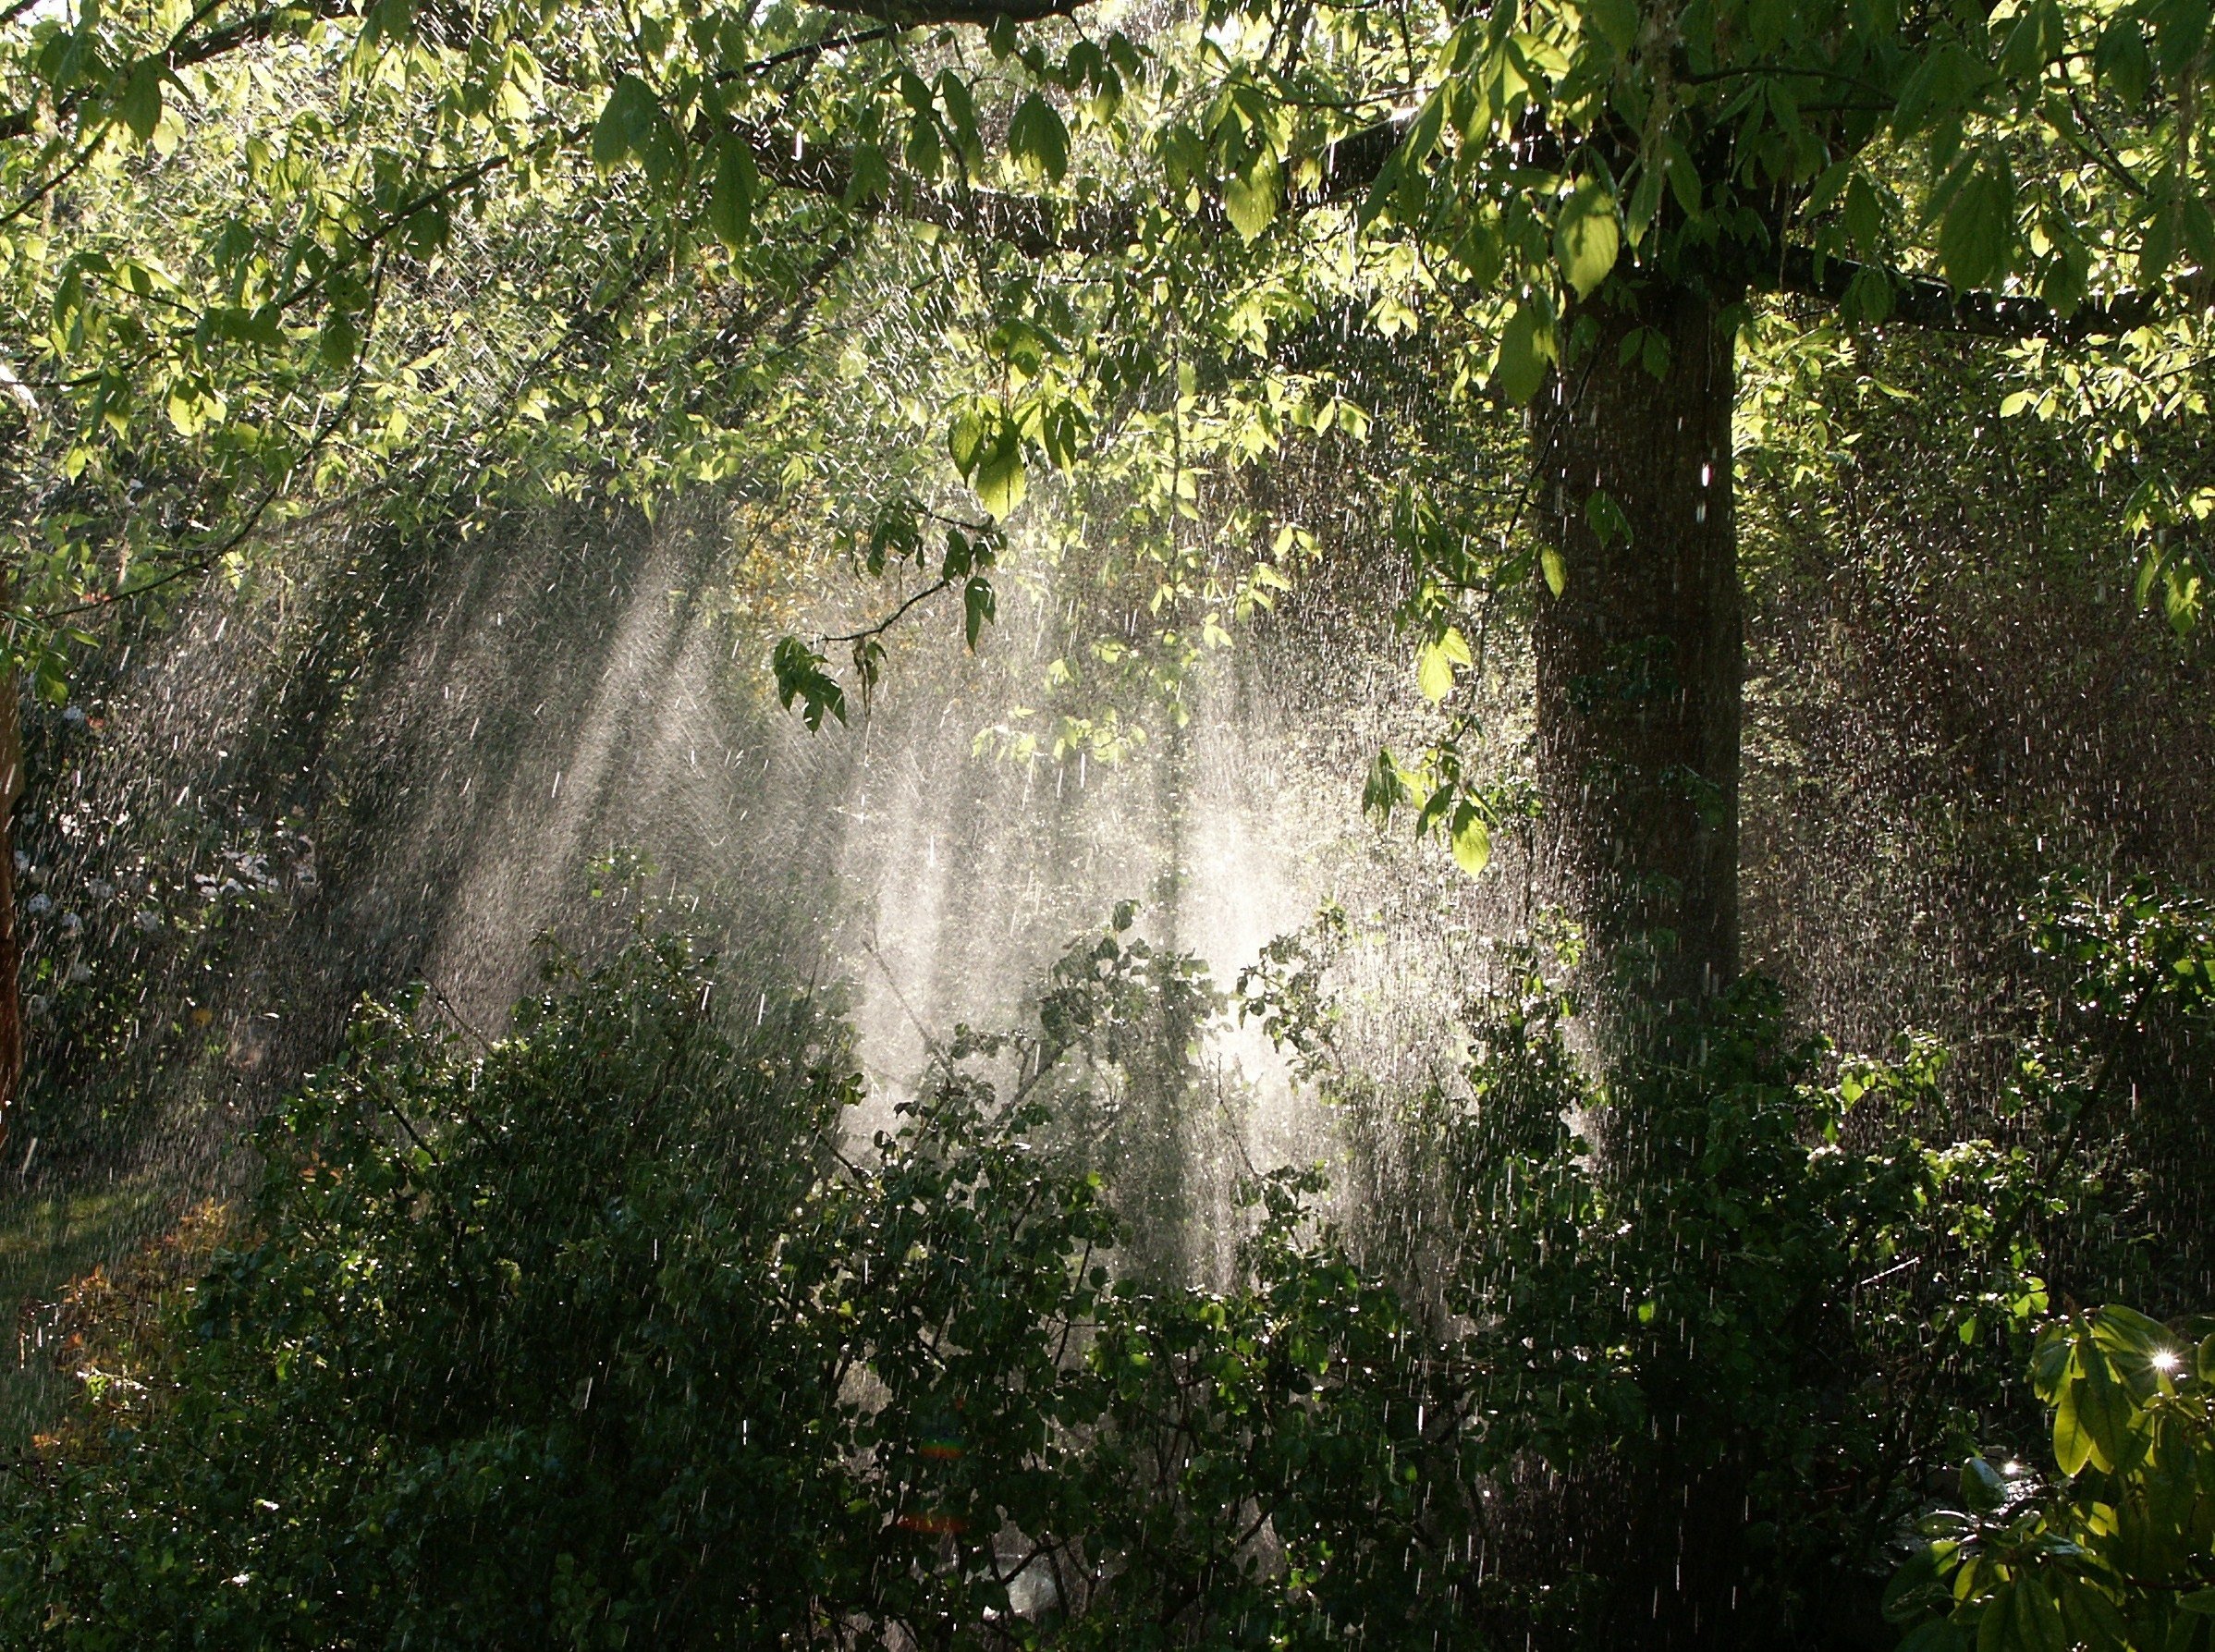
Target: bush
pixel 600 1339
pixel 2116 1550
pixel 605 1336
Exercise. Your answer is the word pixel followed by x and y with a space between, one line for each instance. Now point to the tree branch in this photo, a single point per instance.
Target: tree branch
pixel 983 13
pixel 1919 301
pixel 182 50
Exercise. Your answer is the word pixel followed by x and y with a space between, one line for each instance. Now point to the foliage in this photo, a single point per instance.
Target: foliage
pixel 260 259
pixel 600 1338
pixel 604 1331
pixel 2118 1548
pixel 1743 1269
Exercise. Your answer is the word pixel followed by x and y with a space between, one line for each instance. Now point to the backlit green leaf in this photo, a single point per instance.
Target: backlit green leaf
pixel 1471 840
pixel 1977 241
pixel 1524 349
pixel 1250 200
pixel 1586 235
pixel 1038 139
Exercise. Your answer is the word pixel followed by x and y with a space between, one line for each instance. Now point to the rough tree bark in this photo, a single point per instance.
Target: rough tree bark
pixel 1640 658
pixel 1640 669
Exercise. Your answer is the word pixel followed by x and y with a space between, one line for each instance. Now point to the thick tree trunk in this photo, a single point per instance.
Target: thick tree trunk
pixel 1640 671
pixel 1640 657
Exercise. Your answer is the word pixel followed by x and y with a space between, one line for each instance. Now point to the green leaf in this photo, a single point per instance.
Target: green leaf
pixel 1038 139
pixel 1471 840
pixel 626 123
pixel 1914 1588
pixel 799 676
pixel 1525 350
pixel 1606 517
pixel 1864 213
pixel 1554 568
pixel 962 117
pixel 2037 1620
pixel 999 476
pixel 1386 789
pixel 731 197
pixel 2092 1422
pixel 965 442
pixel 2164 231
pixel 1983 1488
pixel 2038 36
pixel 2091 1613
pixel 1250 200
pixel 1435 664
pixel 1588 237
pixel 2125 1331
pixel 926 154
pixel 2180 601
pixel 1616 21
pixel 980 605
pixel 871 174
pixel 2072 1440
pixel 2122 61
pixel 1976 242
pixel 2180 34
pixel 140 107
pixel 1940 1635
pixel 2149 569
pixel 1684 177
pixel 340 342
pixel 2049 1362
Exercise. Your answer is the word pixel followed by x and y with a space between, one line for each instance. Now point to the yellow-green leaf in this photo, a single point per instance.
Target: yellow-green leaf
pixel 1471 840
pixel 1435 664
pixel 1251 200
pixel 1588 237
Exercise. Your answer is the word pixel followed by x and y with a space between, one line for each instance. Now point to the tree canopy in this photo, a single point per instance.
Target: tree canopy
pixel 257 257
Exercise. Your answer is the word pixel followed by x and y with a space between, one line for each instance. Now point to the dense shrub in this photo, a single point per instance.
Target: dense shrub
pixel 2118 1548
pixel 609 1335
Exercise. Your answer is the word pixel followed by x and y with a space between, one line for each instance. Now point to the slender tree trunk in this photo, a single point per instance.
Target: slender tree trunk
pixel 1640 656
pixel 11 946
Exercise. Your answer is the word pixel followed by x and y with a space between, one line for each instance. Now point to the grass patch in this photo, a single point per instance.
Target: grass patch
pixel 47 1240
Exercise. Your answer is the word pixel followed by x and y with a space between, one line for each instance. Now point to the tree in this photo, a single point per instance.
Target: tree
pixel 1635 176
pixel 1582 196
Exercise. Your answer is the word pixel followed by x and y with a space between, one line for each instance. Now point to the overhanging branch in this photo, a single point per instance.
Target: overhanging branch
pixel 982 13
pixel 186 49
pixel 1033 226
pixel 1919 301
